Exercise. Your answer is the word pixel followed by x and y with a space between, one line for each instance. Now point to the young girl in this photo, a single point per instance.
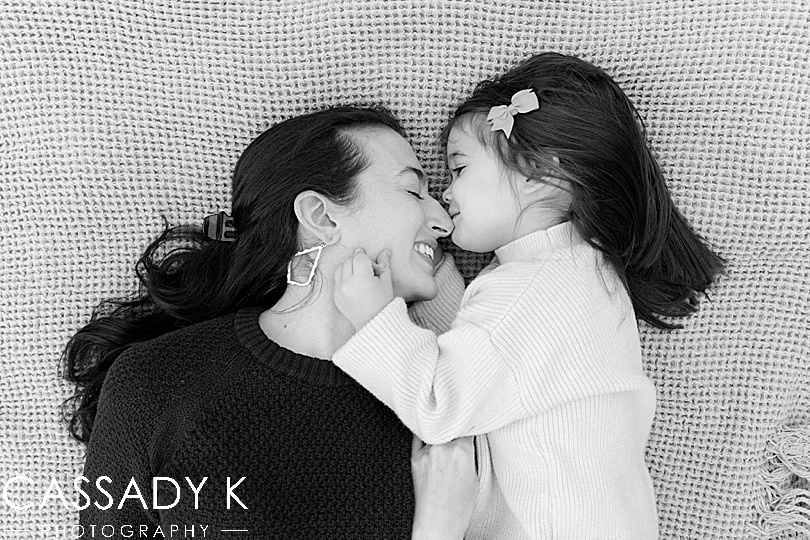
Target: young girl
pixel 551 171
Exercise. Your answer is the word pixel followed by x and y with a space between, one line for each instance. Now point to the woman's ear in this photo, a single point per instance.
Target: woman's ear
pixel 315 212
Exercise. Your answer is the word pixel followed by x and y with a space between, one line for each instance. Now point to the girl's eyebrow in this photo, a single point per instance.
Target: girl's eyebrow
pixel 456 154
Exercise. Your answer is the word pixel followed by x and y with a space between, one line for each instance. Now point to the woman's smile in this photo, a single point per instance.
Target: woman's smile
pixel 425 251
pixel 397 213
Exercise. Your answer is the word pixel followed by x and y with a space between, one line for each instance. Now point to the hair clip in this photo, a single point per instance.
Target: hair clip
pixel 503 116
pixel 219 227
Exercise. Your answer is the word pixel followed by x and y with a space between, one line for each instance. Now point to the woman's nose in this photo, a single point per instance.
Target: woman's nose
pixel 438 219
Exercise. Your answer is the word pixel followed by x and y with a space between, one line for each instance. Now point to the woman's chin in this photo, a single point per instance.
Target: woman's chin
pixel 426 289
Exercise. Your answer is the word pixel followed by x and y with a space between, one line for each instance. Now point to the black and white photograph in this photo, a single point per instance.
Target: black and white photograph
pixel 405 269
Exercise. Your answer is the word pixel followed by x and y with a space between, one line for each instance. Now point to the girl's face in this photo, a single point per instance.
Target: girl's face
pixel 394 211
pixel 482 202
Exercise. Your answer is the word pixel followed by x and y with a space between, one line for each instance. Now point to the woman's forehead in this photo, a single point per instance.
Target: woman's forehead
pixel 388 153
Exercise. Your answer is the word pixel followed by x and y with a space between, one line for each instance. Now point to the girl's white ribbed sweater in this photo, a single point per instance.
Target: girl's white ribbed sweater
pixel 544 358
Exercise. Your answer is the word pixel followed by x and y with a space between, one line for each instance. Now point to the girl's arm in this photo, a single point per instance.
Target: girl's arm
pixel 460 383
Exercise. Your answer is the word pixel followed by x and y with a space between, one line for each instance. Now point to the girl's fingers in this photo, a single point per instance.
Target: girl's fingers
pixel 385 272
pixel 383 263
pixel 351 259
pixel 361 263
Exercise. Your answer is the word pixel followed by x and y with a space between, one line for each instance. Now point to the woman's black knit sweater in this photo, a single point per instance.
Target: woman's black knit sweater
pixel 320 456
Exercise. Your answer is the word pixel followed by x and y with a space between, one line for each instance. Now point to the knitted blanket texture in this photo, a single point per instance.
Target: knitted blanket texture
pixel 114 114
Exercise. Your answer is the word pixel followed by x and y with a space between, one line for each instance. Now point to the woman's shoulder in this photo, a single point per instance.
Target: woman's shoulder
pixel 151 378
pixel 172 359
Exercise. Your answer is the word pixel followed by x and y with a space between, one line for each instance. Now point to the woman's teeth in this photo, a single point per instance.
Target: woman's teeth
pixel 424 249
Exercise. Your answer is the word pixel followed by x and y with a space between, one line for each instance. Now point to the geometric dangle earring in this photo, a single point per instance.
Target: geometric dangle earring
pixel 319 249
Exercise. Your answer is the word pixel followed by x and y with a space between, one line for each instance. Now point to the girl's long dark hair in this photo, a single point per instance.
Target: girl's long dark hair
pixel 588 133
pixel 186 277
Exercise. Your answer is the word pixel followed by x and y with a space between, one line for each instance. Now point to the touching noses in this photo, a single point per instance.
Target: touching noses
pixel 438 220
pixel 447 196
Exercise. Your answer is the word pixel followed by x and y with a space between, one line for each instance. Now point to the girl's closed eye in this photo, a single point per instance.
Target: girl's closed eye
pixel 457 170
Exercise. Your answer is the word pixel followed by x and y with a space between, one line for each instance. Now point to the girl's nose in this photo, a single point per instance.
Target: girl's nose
pixel 447 197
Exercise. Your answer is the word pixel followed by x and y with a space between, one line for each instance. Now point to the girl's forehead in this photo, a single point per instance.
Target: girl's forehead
pixel 463 138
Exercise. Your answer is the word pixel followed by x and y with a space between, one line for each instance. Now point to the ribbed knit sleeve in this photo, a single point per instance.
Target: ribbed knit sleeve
pixel 441 387
pixel 531 334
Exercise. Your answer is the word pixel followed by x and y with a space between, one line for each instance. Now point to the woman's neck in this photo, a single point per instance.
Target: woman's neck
pixel 306 321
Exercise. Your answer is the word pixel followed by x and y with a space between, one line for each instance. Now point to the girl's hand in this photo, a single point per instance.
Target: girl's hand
pixel 445 485
pixel 362 287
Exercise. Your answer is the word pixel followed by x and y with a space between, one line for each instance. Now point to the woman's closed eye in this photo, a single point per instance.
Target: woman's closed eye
pixel 416 194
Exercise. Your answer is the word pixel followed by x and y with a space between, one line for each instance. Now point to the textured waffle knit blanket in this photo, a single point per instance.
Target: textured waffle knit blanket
pixel 116 113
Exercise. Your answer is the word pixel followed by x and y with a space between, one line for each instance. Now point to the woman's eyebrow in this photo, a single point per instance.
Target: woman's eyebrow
pixel 418 172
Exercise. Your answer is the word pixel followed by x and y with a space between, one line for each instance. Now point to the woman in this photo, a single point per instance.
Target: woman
pixel 209 401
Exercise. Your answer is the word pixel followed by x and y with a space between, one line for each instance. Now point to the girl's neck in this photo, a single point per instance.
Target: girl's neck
pixel 542 210
pixel 306 321
pixel 534 220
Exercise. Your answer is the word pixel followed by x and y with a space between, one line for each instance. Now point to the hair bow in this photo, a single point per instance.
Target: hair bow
pixel 503 116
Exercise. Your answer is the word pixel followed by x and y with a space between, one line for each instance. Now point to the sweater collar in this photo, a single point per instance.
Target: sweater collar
pixel 539 242
pixel 305 368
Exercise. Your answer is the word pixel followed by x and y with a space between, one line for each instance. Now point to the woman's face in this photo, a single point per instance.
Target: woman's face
pixel 395 212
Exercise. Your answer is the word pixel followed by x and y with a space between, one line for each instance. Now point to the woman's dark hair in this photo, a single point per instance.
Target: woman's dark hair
pixel 587 133
pixel 186 277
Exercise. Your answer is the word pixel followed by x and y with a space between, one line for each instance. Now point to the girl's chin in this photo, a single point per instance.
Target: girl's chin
pixel 472 247
pixel 458 239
